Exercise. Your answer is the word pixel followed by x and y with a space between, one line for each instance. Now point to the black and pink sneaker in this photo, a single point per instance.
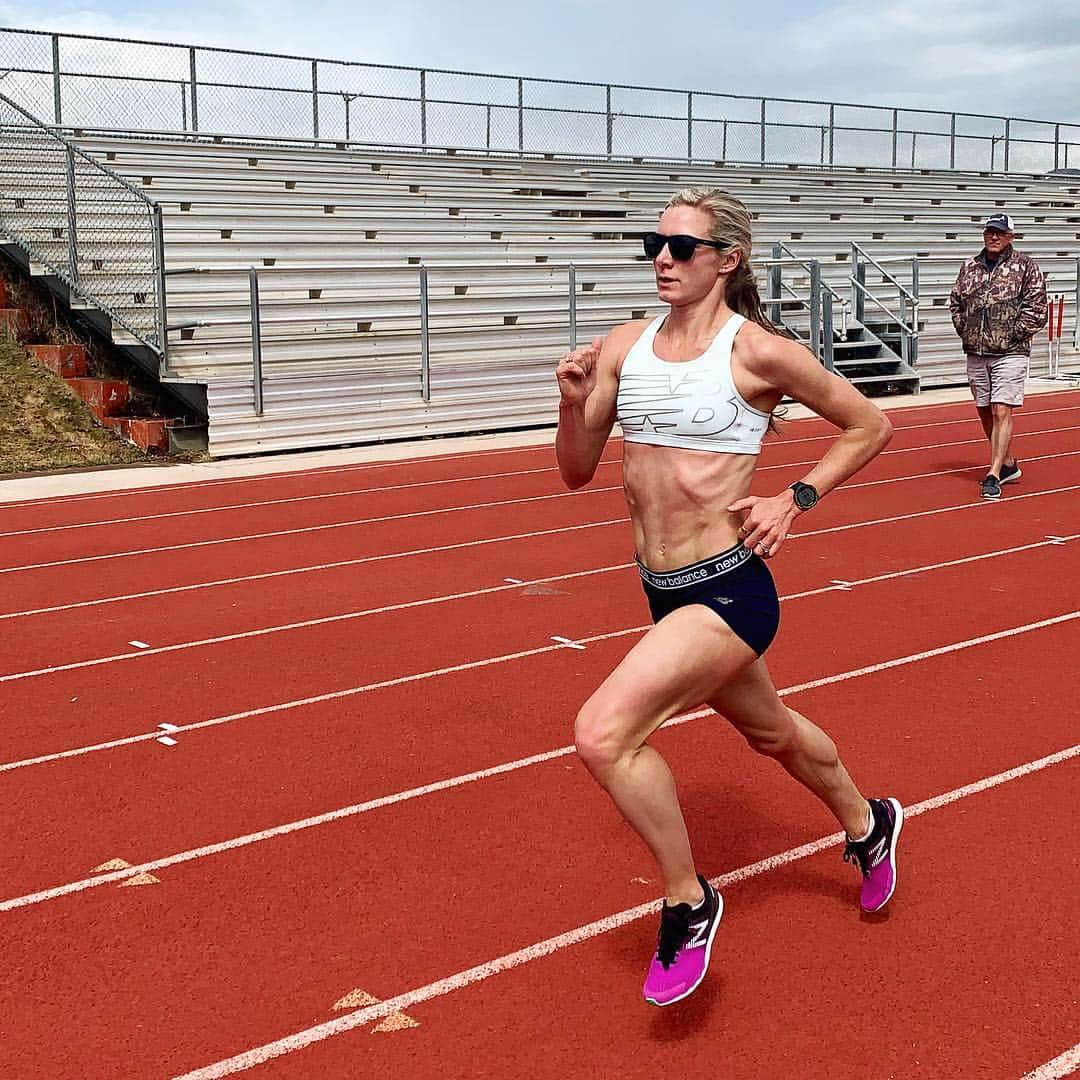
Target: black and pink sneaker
pixel 876 855
pixel 683 946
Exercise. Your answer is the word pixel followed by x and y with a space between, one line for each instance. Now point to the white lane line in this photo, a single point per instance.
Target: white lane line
pixel 514 581
pixel 306 529
pixel 483 774
pixel 217 721
pixel 347 616
pixel 1063 1065
pixel 568 642
pixel 315 473
pixel 138 644
pixel 280 502
pixel 462 979
pixel 315 567
pixel 321 566
pixel 440 510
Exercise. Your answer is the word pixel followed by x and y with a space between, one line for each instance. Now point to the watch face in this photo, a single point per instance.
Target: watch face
pixel 805 496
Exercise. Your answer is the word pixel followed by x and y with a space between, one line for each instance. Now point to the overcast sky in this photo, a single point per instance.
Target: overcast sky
pixel 1013 59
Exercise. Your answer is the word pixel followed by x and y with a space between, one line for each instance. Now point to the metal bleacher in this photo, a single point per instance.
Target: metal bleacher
pixel 512 247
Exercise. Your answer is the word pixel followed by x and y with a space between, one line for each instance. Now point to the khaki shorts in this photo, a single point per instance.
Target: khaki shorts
pixel 997 380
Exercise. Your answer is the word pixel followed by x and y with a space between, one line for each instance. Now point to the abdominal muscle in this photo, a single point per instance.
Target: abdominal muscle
pixel 678 502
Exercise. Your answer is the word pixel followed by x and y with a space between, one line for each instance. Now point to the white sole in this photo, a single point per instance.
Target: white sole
pixel 708 956
pixel 1010 479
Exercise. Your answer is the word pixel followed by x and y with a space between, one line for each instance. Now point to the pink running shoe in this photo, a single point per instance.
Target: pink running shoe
pixel 876 855
pixel 683 946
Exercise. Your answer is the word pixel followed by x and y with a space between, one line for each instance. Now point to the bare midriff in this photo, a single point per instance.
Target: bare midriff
pixel 678 502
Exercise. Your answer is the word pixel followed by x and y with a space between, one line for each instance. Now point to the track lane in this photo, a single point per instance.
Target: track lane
pixel 278 959
pixel 157 791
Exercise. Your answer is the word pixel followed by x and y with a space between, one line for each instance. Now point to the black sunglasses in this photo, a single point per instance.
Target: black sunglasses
pixel 681 247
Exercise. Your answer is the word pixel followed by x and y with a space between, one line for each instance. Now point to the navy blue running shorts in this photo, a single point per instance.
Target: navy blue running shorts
pixel 736 584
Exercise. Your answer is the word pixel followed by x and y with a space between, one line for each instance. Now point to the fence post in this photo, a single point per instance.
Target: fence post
pixel 914 310
pixel 159 284
pixel 763 131
pixel 895 132
pixel 827 357
pixel 487 130
pixel 194 91
pixel 952 141
pixel 72 218
pixel 315 98
pixel 609 121
pixel 832 132
pixel 256 341
pixel 425 345
pixel 773 289
pixel 1008 128
pixel 183 105
pixel 573 305
pixel 521 116
pixel 57 111
pixel 1057 144
pixel 815 309
pixel 689 127
pixel 423 108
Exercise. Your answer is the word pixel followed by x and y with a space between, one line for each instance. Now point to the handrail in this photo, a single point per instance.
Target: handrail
pixel 874 262
pixel 36 159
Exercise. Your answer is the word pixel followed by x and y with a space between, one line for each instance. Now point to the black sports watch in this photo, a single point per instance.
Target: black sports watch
pixel 806 496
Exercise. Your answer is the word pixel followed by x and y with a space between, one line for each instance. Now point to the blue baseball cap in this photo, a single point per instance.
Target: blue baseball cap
pixel 1001 222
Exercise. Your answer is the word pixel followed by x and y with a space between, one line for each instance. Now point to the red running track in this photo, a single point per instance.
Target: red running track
pixel 263 915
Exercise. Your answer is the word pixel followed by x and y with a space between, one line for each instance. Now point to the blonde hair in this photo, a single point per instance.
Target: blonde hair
pixel 730 225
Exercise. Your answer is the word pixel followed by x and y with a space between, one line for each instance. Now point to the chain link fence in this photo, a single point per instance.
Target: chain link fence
pixel 85 224
pixel 114 85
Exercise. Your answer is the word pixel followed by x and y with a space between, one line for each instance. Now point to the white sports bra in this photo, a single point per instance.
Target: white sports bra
pixel 691 404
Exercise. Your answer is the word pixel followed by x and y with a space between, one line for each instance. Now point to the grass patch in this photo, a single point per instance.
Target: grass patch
pixel 46 425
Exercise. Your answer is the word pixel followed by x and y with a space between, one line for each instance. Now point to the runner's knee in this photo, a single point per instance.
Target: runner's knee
pixel 598 739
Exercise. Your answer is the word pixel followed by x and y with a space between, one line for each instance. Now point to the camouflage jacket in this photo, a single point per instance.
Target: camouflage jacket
pixel 997 312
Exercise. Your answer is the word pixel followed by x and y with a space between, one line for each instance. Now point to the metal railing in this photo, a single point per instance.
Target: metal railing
pixel 122 85
pixel 89 227
pixel 819 301
pixel 906 313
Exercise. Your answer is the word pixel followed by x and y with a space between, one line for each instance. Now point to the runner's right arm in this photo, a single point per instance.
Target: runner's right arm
pixel 588 387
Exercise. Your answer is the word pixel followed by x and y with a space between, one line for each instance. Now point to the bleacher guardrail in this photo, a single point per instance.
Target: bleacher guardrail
pixel 122 86
pixel 907 299
pixel 85 224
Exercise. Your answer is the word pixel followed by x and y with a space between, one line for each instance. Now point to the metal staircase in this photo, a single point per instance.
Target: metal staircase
pixel 875 350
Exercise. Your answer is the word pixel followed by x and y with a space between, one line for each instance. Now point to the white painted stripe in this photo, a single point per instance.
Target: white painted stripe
pixel 307 529
pixel 566 641
pixel 462 979
pixel 217 721
pixel 505 538
pixel 512 766
pixel 168 727
pixel 1063 1065
pixel 139 644
pixel 166 741
pixel 283 502
pixel 351 615
pixel 439 510
pixel 316 567
pixel 515 580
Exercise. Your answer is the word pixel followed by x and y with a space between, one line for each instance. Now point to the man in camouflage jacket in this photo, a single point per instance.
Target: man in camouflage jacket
pixel 998 304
